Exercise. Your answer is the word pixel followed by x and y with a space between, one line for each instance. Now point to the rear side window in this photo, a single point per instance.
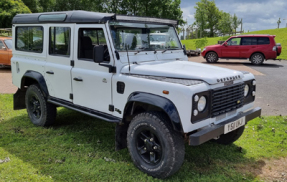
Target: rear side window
pixel 1 44
pixel 263 40
pixel 249 41
pixel 29 39
pixel 59 41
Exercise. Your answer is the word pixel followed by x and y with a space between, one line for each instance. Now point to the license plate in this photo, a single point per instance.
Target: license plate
pixel 234 125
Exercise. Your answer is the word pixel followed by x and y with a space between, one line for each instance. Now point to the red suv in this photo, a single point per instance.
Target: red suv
pixel 256 48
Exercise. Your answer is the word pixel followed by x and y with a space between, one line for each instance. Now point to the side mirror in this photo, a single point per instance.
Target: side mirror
pixel 225 44
pixel 98 54
pixel 4 48
pixel 184 49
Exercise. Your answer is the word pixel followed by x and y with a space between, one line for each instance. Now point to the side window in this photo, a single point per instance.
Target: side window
pixel 29 39
pixel 59 41
pixel 88 38
pixel 263 40
pixel 234 42
pixel 1 44
pixel 249 41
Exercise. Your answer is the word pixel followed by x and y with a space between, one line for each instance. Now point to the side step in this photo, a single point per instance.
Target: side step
pixel 84 110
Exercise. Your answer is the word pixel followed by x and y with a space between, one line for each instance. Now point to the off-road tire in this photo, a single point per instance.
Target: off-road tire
pixel 231 137
pixel 171 144
pixel 40 112
pixel 211 57
pixel 257 58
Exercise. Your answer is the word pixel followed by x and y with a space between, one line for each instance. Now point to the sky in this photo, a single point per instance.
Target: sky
pixel 256 14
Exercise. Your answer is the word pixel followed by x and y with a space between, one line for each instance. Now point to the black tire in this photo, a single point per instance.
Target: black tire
pixel 40 112
pixel 211 57
pixel 257 58
pixel 231 137
pixel 147 131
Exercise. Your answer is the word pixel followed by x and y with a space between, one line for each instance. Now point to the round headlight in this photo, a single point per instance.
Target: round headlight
pixel 246 90
pixel 201 103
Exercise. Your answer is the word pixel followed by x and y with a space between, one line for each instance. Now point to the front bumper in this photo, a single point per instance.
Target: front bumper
pixel 214 131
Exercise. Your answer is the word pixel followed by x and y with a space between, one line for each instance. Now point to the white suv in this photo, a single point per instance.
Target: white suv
pixel 105 66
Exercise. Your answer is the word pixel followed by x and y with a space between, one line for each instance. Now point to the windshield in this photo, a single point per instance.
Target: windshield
pixel 8 43
pixel 142 36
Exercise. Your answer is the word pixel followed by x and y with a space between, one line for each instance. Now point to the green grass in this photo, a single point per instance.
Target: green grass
pixel 76 148
pixel 281 37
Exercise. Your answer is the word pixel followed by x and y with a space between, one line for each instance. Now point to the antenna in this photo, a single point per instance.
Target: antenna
pixel 128 59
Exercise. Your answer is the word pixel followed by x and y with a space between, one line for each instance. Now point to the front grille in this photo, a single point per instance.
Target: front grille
pixel 227 99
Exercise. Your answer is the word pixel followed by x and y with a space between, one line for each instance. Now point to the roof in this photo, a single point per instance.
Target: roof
pixel 80 16
pixel 4 38
pixel 255 35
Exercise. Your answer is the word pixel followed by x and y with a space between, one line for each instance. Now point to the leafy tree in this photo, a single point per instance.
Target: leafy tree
pixel 8 9
pixel 207 16
pixel 235 22
pixel 224 24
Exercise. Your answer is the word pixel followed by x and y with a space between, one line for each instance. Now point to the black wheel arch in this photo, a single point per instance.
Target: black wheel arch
pixel 139 102
pixel 29 78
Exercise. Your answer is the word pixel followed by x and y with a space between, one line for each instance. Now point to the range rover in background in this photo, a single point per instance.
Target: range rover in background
pixel 104 65
pixel 256 48
pixel 5 51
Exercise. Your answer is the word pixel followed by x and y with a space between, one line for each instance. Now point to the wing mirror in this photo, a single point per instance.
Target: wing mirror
pixel 4 48
pixel 225 44
pixel 184 49
pixel 98 54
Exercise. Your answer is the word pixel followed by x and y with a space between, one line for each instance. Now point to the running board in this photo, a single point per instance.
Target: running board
pixel 84 110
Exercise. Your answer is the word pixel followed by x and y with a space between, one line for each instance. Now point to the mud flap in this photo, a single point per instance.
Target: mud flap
pixel 121 136
pixel 19 99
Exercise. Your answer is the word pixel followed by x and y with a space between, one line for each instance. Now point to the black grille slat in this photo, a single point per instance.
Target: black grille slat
pixel 227 99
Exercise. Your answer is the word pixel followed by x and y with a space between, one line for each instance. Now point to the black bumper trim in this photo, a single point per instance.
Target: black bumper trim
pixel 213 131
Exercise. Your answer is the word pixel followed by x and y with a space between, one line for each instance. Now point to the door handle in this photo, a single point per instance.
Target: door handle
pixel 50 72
pixel 78 79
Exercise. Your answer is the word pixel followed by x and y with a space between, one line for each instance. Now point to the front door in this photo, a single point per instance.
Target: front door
pixel 58 67
pixel 232 49
pixel 3 54
pixel 91 82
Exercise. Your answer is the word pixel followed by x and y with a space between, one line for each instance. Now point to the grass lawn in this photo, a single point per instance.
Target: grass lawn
pixel 281 37
pixel 81 148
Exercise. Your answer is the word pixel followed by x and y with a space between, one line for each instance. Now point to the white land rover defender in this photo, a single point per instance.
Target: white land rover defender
pixel 105 66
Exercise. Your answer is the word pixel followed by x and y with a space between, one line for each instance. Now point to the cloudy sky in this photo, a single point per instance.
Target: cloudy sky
pixel 256 14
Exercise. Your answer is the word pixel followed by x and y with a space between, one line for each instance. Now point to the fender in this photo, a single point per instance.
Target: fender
pixel 39 78
pixel 30 77
pixel 165 104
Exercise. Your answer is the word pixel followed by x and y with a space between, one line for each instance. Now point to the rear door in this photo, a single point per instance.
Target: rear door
pixel 249 46
pixel 3 54
pixel 231 50
pixel 59 56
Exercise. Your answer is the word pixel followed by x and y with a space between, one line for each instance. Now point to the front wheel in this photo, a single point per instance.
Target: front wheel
pixel 155 148
pixel 211 57
pixel 257 58
pixel 41 112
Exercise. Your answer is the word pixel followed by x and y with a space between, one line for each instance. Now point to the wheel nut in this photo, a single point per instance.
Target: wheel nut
pixel 151 139
pixel 144 148
pixel 151 153
pixel 155 147
pixel 145 140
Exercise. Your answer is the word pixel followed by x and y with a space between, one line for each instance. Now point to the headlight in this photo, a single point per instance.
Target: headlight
pixel 246 90
pixel 201 103
pixel 203 49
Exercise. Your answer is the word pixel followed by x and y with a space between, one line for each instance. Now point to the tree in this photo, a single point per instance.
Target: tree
pixel 224 24
pixel 235 22
pixel 8 9
pixel 207 16
pixel 278 22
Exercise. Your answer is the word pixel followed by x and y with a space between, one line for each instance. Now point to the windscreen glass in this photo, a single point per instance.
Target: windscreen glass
pixel 143 37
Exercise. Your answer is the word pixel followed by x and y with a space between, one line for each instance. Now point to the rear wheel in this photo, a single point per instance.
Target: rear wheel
pixel 211 57
pixel 41 112
pixel 257 58
pixel 155 148
pixel 231 137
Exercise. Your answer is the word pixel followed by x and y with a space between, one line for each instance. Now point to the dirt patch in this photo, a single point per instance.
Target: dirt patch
pixel 267 170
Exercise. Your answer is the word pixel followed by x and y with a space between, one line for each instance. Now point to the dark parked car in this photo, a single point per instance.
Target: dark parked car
pixel 256 48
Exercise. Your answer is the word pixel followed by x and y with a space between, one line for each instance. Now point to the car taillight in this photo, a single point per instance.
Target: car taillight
pixel 274 48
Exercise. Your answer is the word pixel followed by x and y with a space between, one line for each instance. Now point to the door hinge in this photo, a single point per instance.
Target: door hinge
pixel 111 108
pixel 71 96
pixel 72 63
